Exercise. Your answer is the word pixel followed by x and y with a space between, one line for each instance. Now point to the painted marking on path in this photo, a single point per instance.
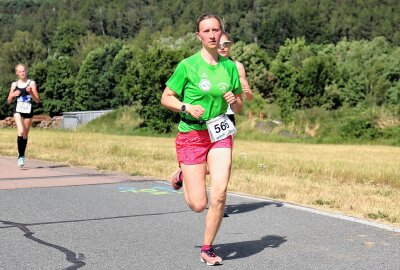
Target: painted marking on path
pixel 153 190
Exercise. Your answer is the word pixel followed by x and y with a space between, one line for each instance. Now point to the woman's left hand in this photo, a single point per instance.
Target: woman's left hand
pixel 230 98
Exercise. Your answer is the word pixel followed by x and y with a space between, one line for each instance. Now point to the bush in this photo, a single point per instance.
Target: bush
pixel 354 128
pixel 149 73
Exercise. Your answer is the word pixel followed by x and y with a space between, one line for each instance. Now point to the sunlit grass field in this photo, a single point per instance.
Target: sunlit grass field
pixel 358 180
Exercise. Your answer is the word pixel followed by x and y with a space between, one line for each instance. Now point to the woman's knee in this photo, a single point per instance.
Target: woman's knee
pixel 198 206
pixel 218 198
pixel 23 134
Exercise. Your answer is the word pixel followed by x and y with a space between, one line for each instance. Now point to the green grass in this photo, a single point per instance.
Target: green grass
pixel 351 175
pixel 361 180
pixel 122 121
pixel 315 126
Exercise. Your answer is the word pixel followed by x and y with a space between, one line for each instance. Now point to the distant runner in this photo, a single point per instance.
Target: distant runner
pixel 24 90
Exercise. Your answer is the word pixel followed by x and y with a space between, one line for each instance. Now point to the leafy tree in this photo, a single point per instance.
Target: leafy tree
pixel 58 93
pixel 286 102
pixel 332 97
pixel 279 26
pixel 362 66
pixel 187 44
pixel 357 128
pixel 392 75
pixel 312 18
pixel 150 71
pixel 5 109
pixel 356 62
pixel 38 72
pixel 248 29
pixel 95 83
pixel 44 23
pixel 22 49
pixel 305 75
pixel 66 36
pixel 15 16
pixel 285 68
pixel 256 62
pixel 86 44
pixel 7 28
pixel 317 72
pixel 393 94
pixel 265 22
pixel 121 64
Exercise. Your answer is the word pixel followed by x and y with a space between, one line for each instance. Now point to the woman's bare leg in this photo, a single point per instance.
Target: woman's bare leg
pixel 194 186
pixel 27 125
pixel 19 121
pixel 219 164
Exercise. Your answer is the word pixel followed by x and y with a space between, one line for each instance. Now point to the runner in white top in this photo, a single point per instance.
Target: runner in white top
pixel 224 49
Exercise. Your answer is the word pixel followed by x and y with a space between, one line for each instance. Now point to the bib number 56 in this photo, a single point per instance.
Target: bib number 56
pixel 221 126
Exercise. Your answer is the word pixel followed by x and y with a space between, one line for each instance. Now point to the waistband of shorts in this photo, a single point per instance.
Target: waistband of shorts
pixel 203 132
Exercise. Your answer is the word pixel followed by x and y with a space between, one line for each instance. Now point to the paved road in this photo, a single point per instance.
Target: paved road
pixel 58 217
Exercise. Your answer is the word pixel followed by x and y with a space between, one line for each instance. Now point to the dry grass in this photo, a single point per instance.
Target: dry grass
pixel 363 181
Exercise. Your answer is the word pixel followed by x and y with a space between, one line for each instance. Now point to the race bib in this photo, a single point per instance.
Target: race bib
pixel 23 107
pixel 220 127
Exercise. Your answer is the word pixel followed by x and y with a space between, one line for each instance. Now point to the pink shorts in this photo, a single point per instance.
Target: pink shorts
pixel 192 147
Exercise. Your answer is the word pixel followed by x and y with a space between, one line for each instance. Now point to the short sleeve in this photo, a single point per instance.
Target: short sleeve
pixel 13 85
pixel 178 80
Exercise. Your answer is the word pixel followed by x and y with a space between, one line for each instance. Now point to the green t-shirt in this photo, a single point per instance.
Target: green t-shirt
pixel 203 84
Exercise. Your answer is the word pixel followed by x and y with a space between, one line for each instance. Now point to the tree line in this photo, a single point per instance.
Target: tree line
pixel 265 22
pixel 90 55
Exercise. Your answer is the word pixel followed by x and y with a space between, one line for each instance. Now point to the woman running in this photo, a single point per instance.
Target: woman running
pixel 207 84
pixel 225 50
pixel 24 90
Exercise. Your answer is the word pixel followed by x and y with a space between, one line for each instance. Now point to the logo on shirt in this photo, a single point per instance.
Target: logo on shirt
pixel 26 98
pixel 205 85
pixel 224 87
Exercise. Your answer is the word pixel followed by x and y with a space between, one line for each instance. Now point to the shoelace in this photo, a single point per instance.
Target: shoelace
pixel 210 252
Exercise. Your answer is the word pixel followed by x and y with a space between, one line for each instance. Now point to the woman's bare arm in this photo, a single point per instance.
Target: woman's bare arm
pixel 248 94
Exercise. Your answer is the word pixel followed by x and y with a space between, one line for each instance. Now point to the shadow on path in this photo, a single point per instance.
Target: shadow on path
pixel 233 251
pixel 87 220
pixel 76 260
pixel 248 207
pixel 26 168
pixel 50 167
pixel 72 257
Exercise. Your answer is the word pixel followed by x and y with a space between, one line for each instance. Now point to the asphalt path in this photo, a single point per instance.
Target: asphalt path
pixel 54 216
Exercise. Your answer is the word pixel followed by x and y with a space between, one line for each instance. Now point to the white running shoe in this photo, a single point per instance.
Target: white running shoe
pixel 21 162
